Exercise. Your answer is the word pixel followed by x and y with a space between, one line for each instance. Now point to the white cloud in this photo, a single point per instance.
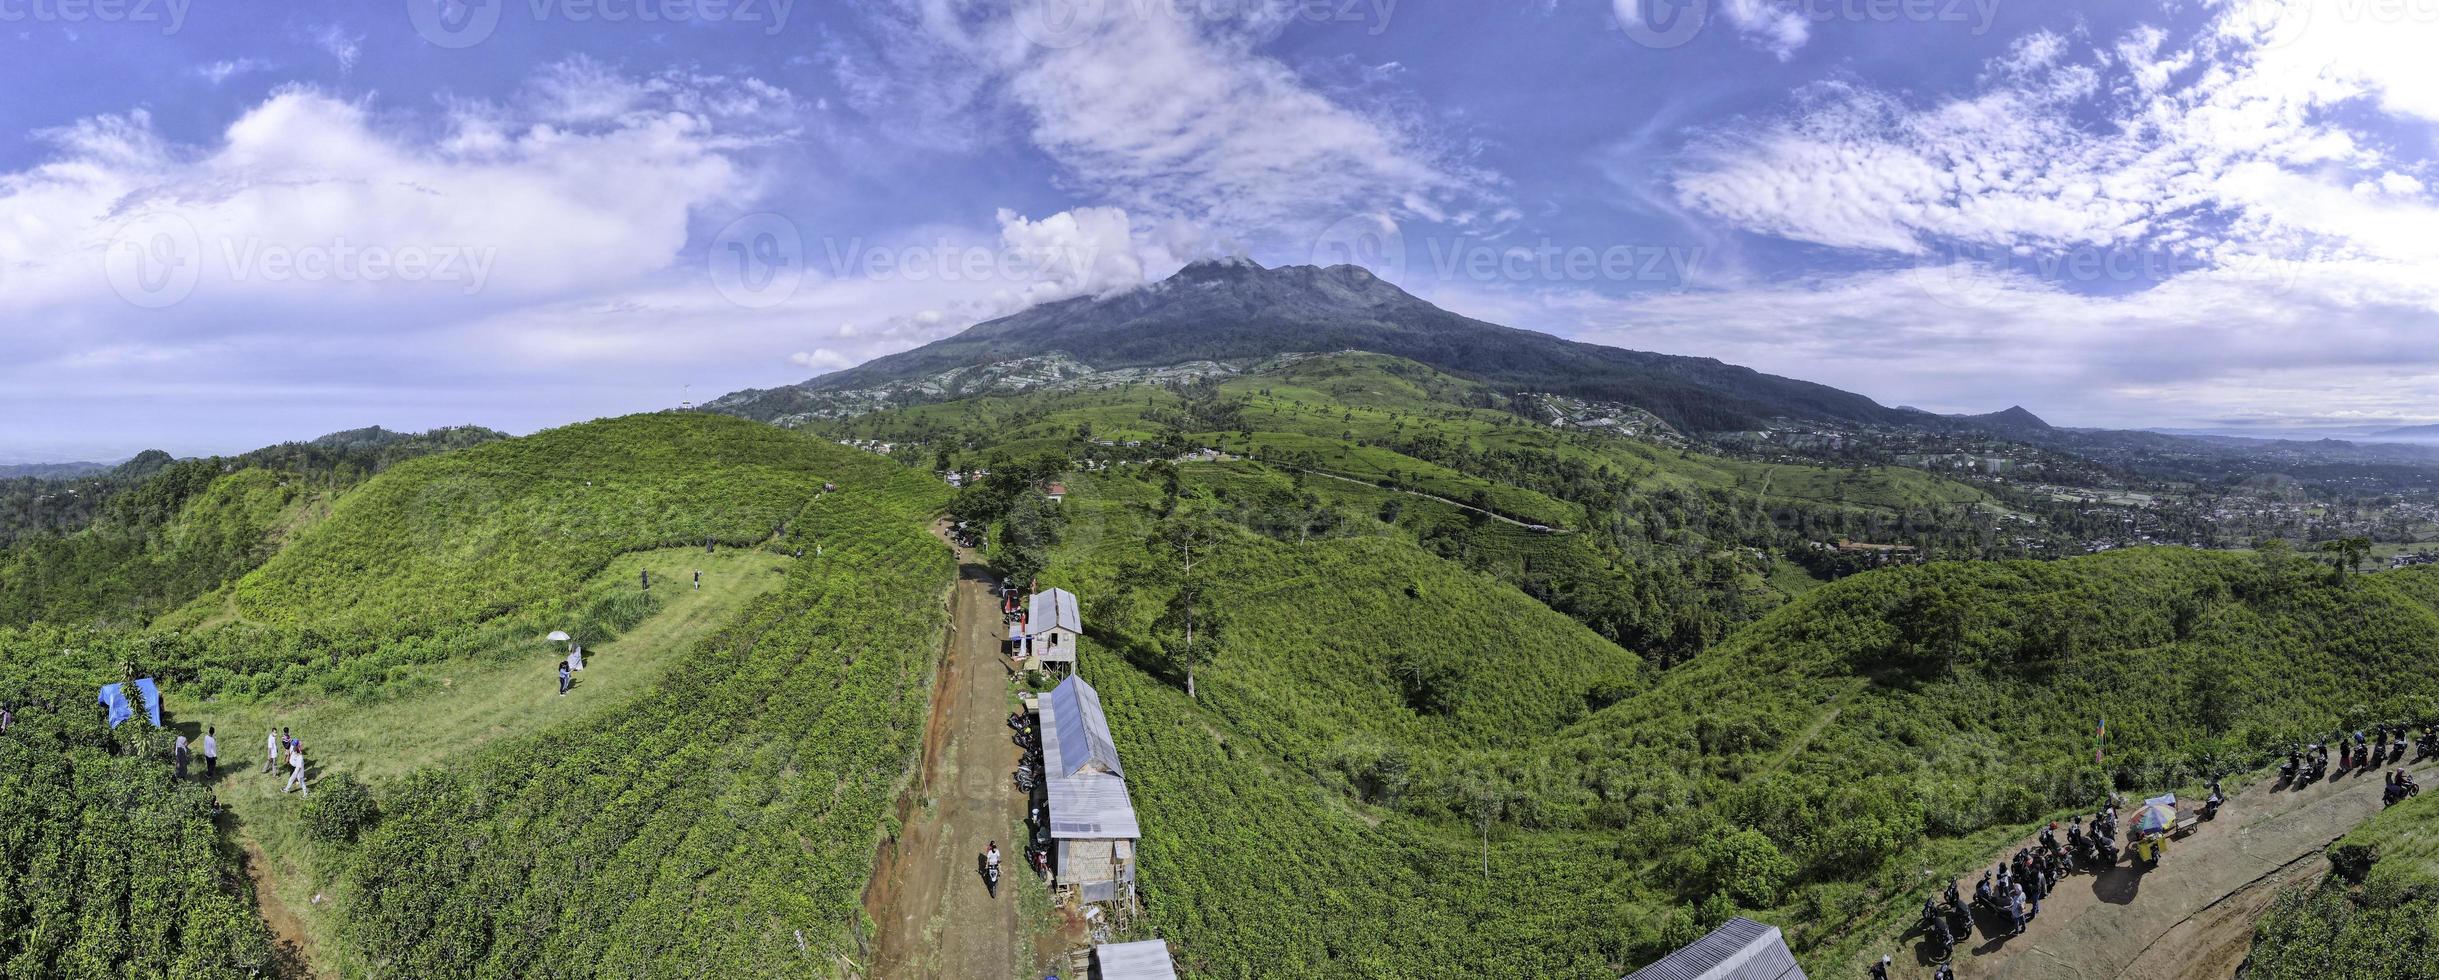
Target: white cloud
pixel 340 45
pixel 1087 251
pixel 820 359
pixel 1170 111
pixel 221 71
pixel 2223 144
pixel 2284 259
pixel 1773 25
pixel 2262 341
pixel 333 249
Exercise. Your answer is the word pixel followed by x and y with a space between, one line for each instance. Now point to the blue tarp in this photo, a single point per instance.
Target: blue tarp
pixel 115 699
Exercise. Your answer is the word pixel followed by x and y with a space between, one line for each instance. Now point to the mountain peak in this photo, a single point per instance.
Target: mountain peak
pixel 1224 269
pixel 2019 415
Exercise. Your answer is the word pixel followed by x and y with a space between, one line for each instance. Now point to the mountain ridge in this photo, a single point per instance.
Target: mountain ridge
pixel 1237 310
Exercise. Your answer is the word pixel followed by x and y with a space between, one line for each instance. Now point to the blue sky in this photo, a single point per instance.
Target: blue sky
pixel 224 225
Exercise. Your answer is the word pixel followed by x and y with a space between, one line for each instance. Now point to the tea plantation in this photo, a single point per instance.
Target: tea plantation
pixel 723 819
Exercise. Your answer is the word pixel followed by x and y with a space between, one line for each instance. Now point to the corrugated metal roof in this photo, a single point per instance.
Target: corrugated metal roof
pixel 1741 949
pixel 1075 735
pixel 1092 806
pixel 1087 787
pixel 1146 960
pixel 1054 609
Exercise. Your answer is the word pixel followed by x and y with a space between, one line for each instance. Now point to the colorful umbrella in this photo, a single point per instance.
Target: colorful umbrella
pixel 2155 817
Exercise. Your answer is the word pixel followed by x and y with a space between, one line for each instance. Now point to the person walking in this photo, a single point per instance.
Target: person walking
pixel 575 657
pixel 178 754
pixel 2015 908
pixel 271 742
pixel 698 580
pixel 564 678
pixel 211 752
pixel 296 763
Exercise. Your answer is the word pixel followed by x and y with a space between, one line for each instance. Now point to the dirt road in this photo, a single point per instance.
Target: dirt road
pixel 927 898
pixel 2191 918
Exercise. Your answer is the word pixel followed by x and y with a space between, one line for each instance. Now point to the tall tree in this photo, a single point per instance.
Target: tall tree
pixel 2346 555
pixel 1182 547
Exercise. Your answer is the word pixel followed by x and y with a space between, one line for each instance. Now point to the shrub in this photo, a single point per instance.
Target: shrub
pixel 342 810
pixel 1743 865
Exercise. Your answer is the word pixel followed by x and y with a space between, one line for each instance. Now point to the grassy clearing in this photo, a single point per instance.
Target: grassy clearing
pixel 471 703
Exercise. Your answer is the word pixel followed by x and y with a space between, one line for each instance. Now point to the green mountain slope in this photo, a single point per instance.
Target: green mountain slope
pixel 153 533
pixel 725 825
pixel 1377 725
pixel 1671 547
pixel 725 812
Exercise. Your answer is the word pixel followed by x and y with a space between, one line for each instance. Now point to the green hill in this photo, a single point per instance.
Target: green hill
pixel 1671 550
pixel 122 547
pixel 1376 726
pixel 719 816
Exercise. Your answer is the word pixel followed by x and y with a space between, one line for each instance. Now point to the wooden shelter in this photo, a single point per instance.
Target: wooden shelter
pixel 1053 623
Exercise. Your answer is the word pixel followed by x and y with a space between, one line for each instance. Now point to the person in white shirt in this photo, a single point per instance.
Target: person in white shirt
pixel 271 750
pixel 211 753
pixel 296 761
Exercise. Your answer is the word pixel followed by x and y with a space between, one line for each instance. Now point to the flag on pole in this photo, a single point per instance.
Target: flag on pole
pixel 2100 736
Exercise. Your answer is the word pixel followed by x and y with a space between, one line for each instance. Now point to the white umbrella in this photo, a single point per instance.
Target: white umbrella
pixel 557 636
